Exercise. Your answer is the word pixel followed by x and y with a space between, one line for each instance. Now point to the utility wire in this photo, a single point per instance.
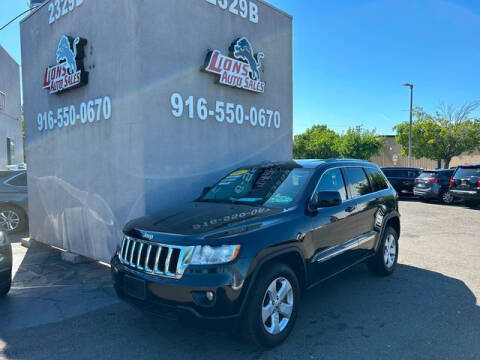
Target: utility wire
pixel 16 17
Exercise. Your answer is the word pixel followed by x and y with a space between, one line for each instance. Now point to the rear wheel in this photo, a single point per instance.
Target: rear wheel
pixel 447 198
pixel 385 260
pixel 12 219
pixel 272 307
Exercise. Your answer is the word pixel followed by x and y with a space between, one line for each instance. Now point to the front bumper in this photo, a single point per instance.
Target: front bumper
pixel 186 297
pixel 5 264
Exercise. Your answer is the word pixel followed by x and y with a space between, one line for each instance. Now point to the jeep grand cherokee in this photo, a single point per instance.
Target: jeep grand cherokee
pixel 248 247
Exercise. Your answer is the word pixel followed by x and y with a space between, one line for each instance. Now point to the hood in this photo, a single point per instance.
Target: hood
pixel 197 218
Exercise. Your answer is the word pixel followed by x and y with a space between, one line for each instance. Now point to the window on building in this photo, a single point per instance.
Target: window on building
pixel 3 98
pixel 10 151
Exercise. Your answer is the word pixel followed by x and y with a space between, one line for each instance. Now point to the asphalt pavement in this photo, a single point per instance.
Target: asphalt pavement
pixel 429 309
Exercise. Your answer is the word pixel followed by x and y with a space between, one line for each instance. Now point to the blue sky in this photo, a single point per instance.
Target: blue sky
pixel 352 56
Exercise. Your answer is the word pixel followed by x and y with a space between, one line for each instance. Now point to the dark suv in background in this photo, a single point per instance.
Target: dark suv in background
pixel 465 184
pixel 245 250
pixel 434 185
pixel 13 201
pixel 402 179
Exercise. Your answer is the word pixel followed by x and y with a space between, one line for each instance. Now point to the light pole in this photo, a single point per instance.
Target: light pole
pixel 410 129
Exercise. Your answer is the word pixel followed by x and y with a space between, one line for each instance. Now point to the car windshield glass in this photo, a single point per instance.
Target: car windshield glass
pixel 270 186
pixel 467 172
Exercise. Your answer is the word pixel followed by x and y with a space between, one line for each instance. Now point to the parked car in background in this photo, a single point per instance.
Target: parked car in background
pixel 434 185
pixel 13 201
pixel 402 179
pixel 5 264
pixel 250 245
pixel 465 184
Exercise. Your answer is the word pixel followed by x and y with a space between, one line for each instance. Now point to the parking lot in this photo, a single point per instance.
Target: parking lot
pixel 429 309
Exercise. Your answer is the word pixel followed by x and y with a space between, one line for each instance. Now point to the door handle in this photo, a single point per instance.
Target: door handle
pixel 350 209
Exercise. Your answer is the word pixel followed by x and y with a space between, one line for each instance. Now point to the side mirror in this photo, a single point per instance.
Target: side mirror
pixel 206 190
pixel 324 199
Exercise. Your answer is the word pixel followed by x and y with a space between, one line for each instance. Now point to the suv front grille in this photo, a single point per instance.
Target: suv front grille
pixel 155 259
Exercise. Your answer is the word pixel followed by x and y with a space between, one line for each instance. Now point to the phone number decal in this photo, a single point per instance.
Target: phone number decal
pixel 224 112
pixel 243 8
pixel 68 116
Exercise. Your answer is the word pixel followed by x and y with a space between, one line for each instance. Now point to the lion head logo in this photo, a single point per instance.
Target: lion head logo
pixel 242 49
pixel 66 54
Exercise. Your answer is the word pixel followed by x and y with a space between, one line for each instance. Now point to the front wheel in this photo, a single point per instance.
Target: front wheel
pixel 385 260
pixel 272 306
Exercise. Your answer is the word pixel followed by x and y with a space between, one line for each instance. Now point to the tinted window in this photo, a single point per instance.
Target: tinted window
pixel 413 173
pixel 332 180
pixel 464 173
pixel 377 180
pixel 358 181
pixel 427 175
pixel 20 180
pixel 396 173
pixel 446 174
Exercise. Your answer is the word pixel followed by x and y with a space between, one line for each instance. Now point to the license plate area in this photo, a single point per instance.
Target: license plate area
pixel 136 288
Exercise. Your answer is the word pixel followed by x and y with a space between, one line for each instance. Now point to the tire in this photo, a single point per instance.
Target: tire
pixel 275 276
pixel 447 198
pixel 383 264
pixel 12 219
pixel 6 288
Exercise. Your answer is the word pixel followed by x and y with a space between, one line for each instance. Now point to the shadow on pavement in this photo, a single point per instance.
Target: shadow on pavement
pixel 57 311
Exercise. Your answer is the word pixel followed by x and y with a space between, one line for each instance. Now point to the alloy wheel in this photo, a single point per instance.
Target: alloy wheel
pixel 9 220
pixel 277 306
pixel 390 251
pixel 447 197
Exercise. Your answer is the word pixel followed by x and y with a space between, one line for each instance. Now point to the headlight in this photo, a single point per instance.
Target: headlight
pixel 211 255
pixel 3 239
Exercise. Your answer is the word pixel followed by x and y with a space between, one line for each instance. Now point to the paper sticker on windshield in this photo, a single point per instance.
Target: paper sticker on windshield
pixel 281 199
pixel 239 172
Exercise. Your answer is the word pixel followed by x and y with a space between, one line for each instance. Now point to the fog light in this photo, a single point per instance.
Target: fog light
pixel 210 295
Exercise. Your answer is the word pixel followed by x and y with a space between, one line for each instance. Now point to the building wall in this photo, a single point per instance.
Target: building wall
pixel 86 181
pixel 392 151
pixel 11 116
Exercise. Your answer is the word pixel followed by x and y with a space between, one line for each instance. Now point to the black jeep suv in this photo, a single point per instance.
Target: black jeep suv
pixel 402 179
pixel 465 184
pixel 248 247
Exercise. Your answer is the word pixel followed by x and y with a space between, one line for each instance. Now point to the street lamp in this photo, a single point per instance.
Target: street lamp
pixel 410 129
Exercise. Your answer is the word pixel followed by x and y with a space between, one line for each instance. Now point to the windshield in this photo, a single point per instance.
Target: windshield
pixel 467 172
pixel 270 186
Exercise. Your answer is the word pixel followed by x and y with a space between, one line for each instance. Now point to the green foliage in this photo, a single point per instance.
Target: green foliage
pixel 319 142
pixel 441 136
pixel 359 143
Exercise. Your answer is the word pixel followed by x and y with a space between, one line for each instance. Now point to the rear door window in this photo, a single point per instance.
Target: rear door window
pixel 377 179
pixel 357 181
pixel 19 180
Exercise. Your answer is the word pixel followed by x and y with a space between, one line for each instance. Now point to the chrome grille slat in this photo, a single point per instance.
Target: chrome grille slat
pixel 147 258
pixel 139 256
pixel 154 258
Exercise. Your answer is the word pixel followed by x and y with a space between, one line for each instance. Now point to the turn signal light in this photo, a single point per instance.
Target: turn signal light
pixel 434 181
pixel 453 181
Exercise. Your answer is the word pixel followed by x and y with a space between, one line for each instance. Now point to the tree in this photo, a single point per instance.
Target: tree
pixel 448 133
pixel 317 142
pixel 359 143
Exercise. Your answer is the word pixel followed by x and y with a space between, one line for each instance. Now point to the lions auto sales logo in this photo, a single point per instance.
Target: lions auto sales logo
pixel 69 72
pixel 241 69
